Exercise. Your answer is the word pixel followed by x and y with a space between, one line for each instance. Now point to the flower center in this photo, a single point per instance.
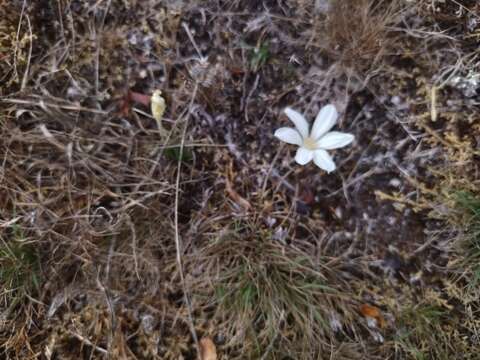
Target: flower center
pixel 309 143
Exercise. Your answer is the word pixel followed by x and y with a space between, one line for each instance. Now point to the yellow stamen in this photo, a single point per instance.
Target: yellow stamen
pixel 309 143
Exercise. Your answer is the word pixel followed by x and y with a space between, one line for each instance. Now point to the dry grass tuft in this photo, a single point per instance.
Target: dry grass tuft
pixel 271 299
pixel 468 267
pixel 13 46
pixel 357 35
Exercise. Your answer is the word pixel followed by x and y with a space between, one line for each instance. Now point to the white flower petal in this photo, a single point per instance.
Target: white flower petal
pixel 299 120
pixel 334 140
pixel 289 135
pixel 325 120
pixel 303 156
pixel 323 160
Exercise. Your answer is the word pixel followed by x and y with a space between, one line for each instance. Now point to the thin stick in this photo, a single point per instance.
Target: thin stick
pixel 134 245
pixel 30 49
pixel 177 234
pixel 88 342
pixel 43 104
pixel 17 39
pixel 433 103
pixel 192 40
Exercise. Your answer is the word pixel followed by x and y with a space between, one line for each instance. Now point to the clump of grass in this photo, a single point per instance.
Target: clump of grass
pixel 356 34
pixel 260 56
pixel 434 329
pixel 273 299
pixel 19 271
pixel 470 237
pixel 419 327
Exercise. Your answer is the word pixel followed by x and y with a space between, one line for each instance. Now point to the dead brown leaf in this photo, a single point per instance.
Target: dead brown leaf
pixel 373 312
pixel 208 350
pixel 235 196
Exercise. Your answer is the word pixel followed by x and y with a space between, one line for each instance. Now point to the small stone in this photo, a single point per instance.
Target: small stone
pixel 396 100
pixel 395 182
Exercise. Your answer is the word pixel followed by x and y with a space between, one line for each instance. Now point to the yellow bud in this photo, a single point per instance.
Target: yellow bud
pixel 158 105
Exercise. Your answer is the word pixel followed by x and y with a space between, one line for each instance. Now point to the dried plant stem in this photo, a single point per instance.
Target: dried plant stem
pixel 178 246
pixel 88 342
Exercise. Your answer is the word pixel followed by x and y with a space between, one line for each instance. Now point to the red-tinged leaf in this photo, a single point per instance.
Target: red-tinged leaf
pixel 139 98
pixel 235 196
pixel 124 107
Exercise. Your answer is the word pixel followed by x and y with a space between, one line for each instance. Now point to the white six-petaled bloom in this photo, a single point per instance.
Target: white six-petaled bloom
pixel 315 143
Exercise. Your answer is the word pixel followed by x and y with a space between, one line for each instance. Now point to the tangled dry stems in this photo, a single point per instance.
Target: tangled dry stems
pixel 87 184
pixel 268 296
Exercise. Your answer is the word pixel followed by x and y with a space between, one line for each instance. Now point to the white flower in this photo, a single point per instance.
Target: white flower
pixel 315 143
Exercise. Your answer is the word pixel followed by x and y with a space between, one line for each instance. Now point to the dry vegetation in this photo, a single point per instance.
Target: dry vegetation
pixel 121 241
